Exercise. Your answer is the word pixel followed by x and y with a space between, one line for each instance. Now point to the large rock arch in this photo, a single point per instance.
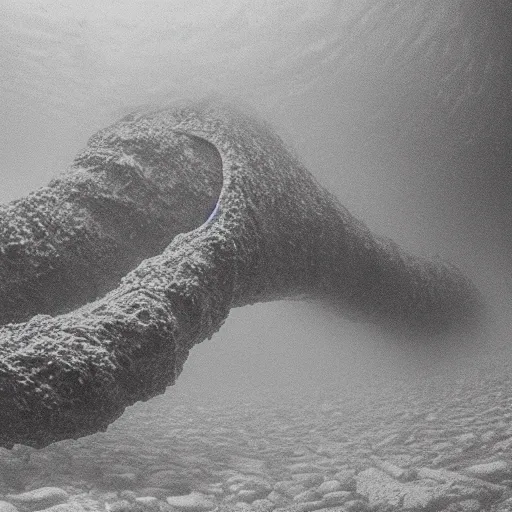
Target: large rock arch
pixel 253 226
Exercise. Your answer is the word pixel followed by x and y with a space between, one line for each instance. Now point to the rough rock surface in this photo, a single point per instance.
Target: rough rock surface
pixel 136 185
pixel 274 234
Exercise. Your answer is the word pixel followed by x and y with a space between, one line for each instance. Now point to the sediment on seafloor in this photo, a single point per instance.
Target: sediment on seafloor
pixel 274 234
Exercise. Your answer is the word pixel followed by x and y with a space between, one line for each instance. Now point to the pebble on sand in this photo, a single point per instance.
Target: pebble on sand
pixel 120 480
pixel 492 471
pixel 333 499
pixel 289 488
pixel 38 499
pixel 5 506
pixel 329 486
pixel 168 479
pixel 355 506
pixel 277 498
pixel 308 479
pixel 309 495
pixel 193 502
pixel 247 496
pixel 464 506
pixel 70 506
pixel 263 505
pixel 303 467
pixel 346 477
pixel 146 500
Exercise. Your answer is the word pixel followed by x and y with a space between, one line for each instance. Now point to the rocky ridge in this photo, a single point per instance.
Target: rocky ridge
pixel 274 234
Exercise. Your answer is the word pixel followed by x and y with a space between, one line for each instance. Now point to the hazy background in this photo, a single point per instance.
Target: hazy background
pixel 401 108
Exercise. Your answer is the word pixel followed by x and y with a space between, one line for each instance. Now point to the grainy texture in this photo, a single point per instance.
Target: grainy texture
pixel 275 234
pixel 135 186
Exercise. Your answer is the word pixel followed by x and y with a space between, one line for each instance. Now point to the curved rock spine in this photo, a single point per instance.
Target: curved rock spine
pixel 276 234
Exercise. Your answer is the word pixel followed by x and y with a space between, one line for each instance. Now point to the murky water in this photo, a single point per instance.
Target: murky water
pixel 403 110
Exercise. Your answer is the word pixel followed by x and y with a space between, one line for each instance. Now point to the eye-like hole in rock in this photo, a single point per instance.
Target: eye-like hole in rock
pixel 134 187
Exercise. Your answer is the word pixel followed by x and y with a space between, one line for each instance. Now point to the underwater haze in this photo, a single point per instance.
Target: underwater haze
pixel 403 111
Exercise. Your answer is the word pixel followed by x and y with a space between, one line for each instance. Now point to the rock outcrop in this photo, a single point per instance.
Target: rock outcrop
pixel 273 234
pixel 136 185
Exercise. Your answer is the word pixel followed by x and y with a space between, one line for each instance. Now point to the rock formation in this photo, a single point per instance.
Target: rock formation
pixel 250 224
pixel 135 186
